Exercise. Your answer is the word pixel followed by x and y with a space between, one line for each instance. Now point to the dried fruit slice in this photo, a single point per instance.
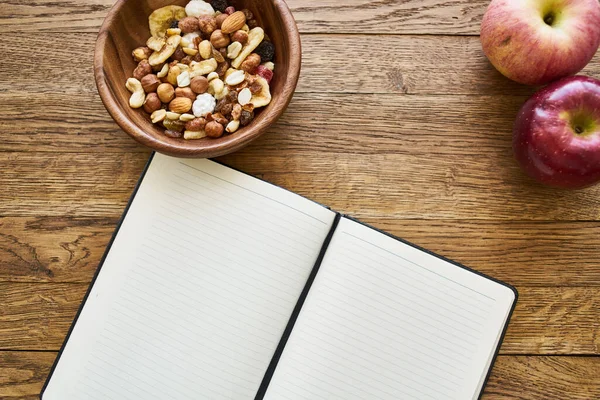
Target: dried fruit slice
pixel 161 19
pixel 159 57
pixel 262 98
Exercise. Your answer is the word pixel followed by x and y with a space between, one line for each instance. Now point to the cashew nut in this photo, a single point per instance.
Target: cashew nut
pixel 138 95
pixel 167 51
pixel 255 37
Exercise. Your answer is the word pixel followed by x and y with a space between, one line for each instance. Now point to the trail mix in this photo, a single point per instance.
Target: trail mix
pixel 204 71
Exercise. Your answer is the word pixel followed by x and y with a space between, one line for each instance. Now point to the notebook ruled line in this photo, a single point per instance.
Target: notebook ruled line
pixel 259 194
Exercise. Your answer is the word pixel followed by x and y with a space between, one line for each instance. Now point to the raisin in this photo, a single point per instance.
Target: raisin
pixel 232 96
pixel 174 24
pixel 219 5
pixel 266 51
pixel 246 117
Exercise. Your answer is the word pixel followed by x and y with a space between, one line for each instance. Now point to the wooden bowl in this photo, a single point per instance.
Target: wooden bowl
pixel 126 28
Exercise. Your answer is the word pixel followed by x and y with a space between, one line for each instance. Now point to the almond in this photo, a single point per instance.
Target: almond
pixel 180 105
pixel 234 22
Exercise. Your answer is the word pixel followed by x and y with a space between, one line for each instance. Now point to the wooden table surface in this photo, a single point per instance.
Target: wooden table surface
pixel 398 120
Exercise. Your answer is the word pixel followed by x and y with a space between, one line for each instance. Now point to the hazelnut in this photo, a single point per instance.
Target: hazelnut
pixel 214 129
pixel 239 36
pixel 207 24
pixel 180 105
pixel 250 63
pixel 142 70
pixel 179 54
pixel 196 125
pixel 188 24
pixel 152 103
pixel 141 53
pixel 199 84
pixel 185 92
pixel 150 83
pixel 219 39
pixel 165 92
pixel 220 19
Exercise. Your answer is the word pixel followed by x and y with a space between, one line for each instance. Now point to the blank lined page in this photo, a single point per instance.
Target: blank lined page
pixel 384 320
pixel 196 291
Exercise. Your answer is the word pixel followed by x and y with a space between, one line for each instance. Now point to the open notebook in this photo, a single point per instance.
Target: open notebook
pixel 218 285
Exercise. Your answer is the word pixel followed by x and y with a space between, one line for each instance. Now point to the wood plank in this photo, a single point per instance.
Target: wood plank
pixel 548 378
pixel 317 16
pixel 405 64
pixel 22 375
pixel 390 123
pixel 37 316
pixel 547 321
pixel 52 249
pixel 394 186
pixel 66 249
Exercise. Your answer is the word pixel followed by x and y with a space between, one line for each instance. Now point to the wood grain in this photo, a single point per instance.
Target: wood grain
pixel 393 64
pixel 547 321
pixel 548 378
pixel 456 17
pixel 394 186
pixel 390 123
pixel 22 375
pixel 55 249
pixel 65 249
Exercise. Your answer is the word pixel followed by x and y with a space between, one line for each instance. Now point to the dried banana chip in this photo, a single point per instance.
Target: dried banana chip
pixel 160 20
pixel 263 97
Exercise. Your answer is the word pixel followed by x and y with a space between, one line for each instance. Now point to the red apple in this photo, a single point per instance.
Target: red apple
pixel 538 41
pixel 556 137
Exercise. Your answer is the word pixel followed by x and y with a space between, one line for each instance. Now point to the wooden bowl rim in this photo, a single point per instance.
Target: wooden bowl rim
pixel 203 148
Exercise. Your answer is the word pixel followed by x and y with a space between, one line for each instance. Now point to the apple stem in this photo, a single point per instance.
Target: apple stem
pixel 578 130
pixel 549 18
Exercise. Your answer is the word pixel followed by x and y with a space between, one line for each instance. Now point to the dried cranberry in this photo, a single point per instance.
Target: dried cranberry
pixel 265 72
